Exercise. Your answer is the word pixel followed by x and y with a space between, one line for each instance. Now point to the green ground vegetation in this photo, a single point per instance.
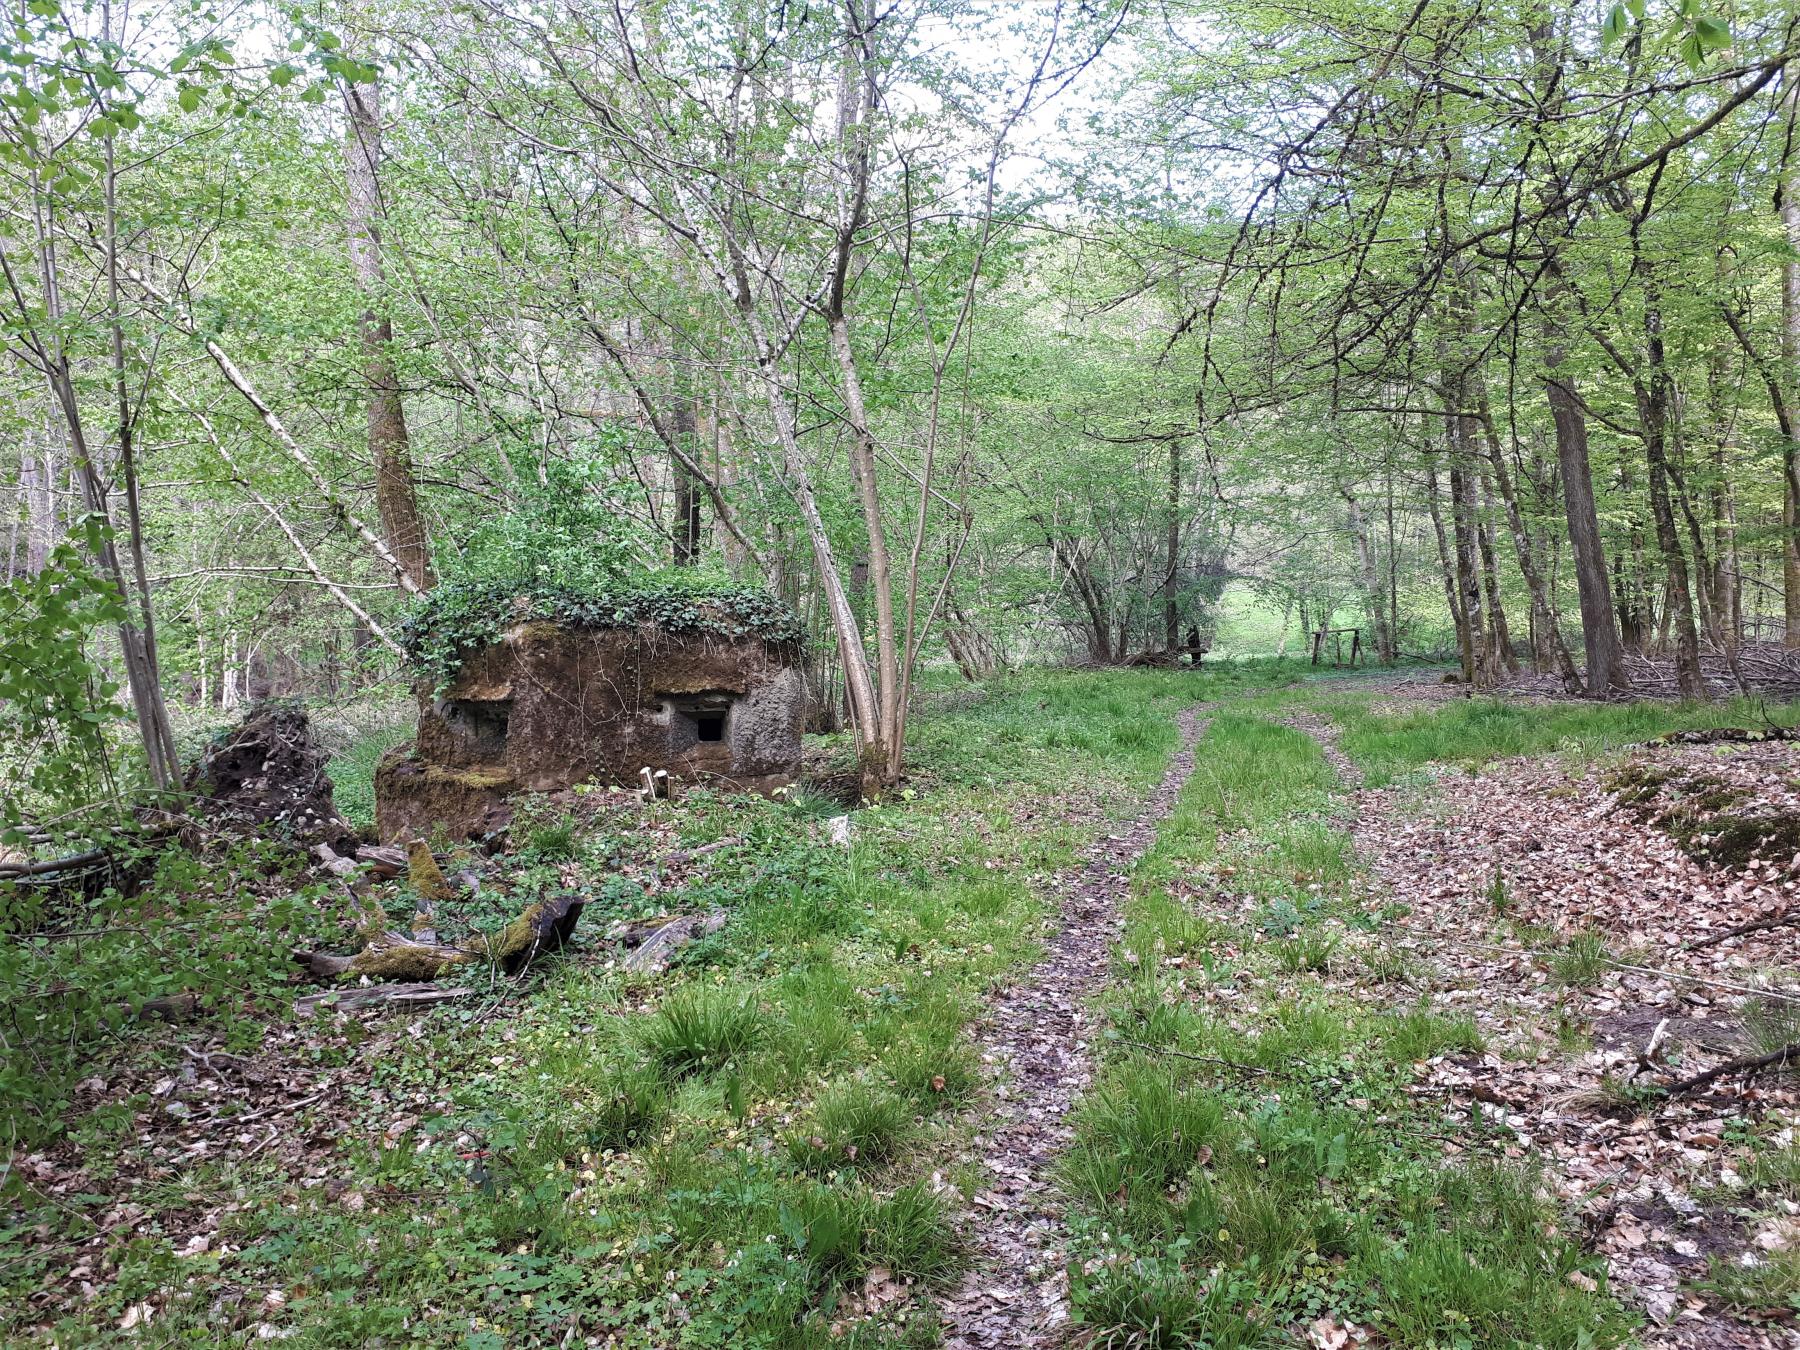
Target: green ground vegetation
pixel 717 1154
pixel 726 1153
pixel 1250 1158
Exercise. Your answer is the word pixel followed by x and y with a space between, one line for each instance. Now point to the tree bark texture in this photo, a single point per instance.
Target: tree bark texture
pixel 396 497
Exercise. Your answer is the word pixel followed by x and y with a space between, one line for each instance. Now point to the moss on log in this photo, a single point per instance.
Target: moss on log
pixel 397 957
pixel 426 878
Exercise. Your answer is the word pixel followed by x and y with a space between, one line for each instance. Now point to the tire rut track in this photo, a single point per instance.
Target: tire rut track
pixel 1037 1035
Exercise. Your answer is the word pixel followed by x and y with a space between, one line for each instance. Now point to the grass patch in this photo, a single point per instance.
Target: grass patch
pixel 855 1124
pixel 1422 1034
pixel 1264 1164
pixel 1388 742
pixel 1147 1304
pixel 1768 1287
pixel 698 1029
pixel 1772 1022
pixel 1581 962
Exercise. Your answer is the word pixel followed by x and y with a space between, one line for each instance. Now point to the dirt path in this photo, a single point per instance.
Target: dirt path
pixel 1325 732
pixel 1036 1037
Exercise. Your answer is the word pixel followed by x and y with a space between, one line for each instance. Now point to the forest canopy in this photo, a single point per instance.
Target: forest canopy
pixel 967 333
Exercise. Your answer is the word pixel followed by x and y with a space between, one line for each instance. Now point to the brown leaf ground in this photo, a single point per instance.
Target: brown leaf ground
pixel 1496 875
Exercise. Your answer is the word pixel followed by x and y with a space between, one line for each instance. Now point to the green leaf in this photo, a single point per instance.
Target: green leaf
pixel 1617 22
pixel 1713 33
pixel 1693 51
pixel 282 76
pixel 189 97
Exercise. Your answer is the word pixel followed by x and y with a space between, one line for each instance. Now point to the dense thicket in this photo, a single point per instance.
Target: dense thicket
pixel 965 331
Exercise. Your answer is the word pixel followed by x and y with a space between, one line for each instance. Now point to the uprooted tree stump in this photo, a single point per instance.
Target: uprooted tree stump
pixel 269 772
pixel 264 776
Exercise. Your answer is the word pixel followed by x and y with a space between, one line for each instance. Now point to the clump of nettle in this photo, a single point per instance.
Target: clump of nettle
pixel 566 554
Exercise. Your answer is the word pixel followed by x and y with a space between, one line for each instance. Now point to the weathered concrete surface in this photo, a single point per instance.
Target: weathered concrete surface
pixel 548 707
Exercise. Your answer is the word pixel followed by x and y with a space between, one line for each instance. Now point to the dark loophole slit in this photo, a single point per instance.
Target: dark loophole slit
pixel 709 726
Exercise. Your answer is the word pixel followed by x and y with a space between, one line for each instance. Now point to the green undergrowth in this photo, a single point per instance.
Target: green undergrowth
pixel 732 1152
pixel 1249 1160
pixel 81 973
pixel 560 554
pixel 460 617
pixel 353 770
pixel 1390 740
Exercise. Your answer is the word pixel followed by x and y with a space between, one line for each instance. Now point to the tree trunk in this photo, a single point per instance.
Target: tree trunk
pixel 137 647
pixel 1545 623
pixel 1171 581
pixel 1633 598
pixel 1599 626
pixel 1447 570
pixel 231 672
pixel 1500 644
pixel 687 519
pixel 1723 580
pixel 1654 400
pixel 1093 603
pixel 1790 351
pixel 396 499
pixel 38 481
pixel 881 760
pixel 859 687
pixel 1478 660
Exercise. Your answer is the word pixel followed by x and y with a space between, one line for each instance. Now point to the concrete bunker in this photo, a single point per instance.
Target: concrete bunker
pixel 551 705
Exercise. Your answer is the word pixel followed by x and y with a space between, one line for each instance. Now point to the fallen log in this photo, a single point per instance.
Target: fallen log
pixel 169 1008
pixel 654 952
pixel 403 957
pixel 1761 925
pixel 369 996
pixel 1788 1054
pixel 1726 736
pixel 389 956
pixel 45 866
pixel 385 861
pixel 682 855
pixel 133 855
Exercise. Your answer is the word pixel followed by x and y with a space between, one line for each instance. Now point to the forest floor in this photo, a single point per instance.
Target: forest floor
pixel 1215 1007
